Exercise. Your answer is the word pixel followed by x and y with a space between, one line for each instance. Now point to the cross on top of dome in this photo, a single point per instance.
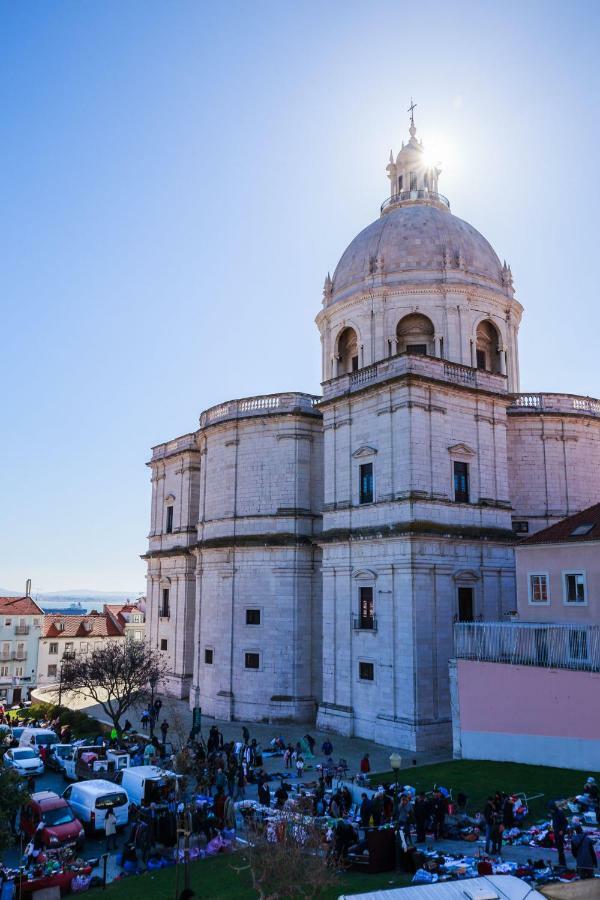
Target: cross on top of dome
pixel 413 177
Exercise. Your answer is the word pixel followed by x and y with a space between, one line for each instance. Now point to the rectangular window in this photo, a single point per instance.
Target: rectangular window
pixel 578 648
pixel 252 660
pixel 52 671
pixel 481 360
pixel 520 527
pixel 169 519
pixel 3 671
pixel 539 590
pixel 209 656
pixel 574 587
pixel 164 609
pixel 461 482
pixel 465 604
pixel 83 646
pixel 417 349
pixel 19 671
pixel 137 635
pixel 69 647
pixel 366 607
pixel 253 617
pixel 163 644
pixel 53 649
pixel 366 671
pixel 6 651
pixel 366 483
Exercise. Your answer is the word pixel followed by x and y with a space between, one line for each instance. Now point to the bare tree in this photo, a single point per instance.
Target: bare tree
pixel 116 674
pixel 288 859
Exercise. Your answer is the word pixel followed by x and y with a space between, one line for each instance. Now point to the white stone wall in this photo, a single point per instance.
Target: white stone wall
pixel 553 464
pixel 12 660
pixel 81 644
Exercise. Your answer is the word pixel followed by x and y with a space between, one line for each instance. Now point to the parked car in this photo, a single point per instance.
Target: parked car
pixel 37 737
pixel 16 733
pixel 57 754
pixel 23 760
pixel 147 784
pixel 61 827
pixel 94 762
pixel 90 801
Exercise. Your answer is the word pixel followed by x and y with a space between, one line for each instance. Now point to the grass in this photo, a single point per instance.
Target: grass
pixel 82 725
pixel 478 779
pixel 215 879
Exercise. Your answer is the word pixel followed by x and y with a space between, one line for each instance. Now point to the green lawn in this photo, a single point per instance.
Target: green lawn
pixel 478 779
pixel 215 879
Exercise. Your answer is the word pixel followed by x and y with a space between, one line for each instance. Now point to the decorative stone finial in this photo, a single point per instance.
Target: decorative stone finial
pixel 327 287
pixel 507 279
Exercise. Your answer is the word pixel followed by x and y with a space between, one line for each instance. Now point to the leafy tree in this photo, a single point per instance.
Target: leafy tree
pixel 116 674
pixel 13 794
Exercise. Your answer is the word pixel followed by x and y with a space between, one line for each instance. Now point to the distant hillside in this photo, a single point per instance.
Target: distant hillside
pixel 84 595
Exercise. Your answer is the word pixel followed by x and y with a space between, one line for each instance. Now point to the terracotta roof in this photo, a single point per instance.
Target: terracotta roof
pixel 562 532
pixel 19 606
pixel 102 625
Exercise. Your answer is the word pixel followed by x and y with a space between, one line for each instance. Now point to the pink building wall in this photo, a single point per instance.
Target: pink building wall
pixel 554 559
pixel 528 714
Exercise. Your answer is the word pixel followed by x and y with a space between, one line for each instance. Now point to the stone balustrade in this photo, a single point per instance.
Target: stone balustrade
pixel 559 403
pixel 185 442
pixel 405 364
pixel 268 404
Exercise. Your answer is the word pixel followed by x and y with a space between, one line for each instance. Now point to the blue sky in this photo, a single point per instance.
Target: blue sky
pixel 178 177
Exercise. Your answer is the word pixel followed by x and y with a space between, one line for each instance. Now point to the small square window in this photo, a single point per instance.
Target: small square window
pixel 163 644
pixel 8 622
pixel 539 589
pixel 366 483
pixel 574 587
pixel 209 656
pixel 580 530
pixel 520 527
pixel 53 649
pixel 461 482
pixel 366 671
pixel 252 660
pixel 51 671
pixel 253 617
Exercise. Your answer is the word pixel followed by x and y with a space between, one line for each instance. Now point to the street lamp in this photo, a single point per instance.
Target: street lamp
pixel 396 764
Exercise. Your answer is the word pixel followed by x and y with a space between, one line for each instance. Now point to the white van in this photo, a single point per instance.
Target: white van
pixel 147 784
pixel 90 800
pixel 36 737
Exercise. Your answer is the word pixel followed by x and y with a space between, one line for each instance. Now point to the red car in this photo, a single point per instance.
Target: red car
pixel 61 828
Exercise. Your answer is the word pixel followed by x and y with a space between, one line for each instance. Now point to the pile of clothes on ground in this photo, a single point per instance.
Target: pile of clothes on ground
pixel 436 866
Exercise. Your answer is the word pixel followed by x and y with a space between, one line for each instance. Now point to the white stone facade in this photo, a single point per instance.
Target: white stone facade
pixel 333 546
pixel 21 622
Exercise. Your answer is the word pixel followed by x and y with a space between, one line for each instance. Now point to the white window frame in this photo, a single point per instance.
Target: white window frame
pixel 572 603
pixel 260 659
pixel 366 680
pixel 258 609
pixel 533 602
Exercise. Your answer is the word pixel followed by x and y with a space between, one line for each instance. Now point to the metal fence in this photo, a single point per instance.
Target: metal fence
pixel 574 647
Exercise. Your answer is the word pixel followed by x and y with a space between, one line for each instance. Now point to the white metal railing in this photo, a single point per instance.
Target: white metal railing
pixel 529 644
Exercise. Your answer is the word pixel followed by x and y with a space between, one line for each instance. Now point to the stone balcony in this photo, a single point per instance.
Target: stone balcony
pixel 265 405
pixel 572 404
pixel 407 364
pixel 177 445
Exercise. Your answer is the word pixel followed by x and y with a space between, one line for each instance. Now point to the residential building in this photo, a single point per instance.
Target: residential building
pixel 20 629
pixel 130 617
pixel 310 555
pixel 529 690
pixel 65 636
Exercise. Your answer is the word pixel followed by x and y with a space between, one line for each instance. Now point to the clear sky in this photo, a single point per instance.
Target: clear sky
pixel 178 177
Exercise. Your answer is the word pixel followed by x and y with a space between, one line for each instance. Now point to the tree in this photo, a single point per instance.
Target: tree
pixel 116 674
pixel 288 859
pixel 13 794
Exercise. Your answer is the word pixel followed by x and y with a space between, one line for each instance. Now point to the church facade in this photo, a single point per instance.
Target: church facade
pixel 309 556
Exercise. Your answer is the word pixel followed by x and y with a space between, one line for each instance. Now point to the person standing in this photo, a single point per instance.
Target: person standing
pixel 327 748
pixel 440 810
pixel 582 849
pixel 145 720
pixel 489 812
pixel 365 811
pixel 245 734
pixel 365 765
pixel 264 793
pixel 110 830
pixel 421 814
pixel 299 765
pixel 164 730
pixel 559 827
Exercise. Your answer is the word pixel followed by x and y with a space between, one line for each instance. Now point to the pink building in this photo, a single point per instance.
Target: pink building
pixel 529 690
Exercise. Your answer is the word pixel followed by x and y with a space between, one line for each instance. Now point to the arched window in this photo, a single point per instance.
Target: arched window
pixel 347 351
pixel 487 349
pixel 415 334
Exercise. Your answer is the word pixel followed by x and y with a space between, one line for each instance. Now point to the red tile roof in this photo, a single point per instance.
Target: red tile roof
pixel 19 606
pixel 562 532
pixel 102 625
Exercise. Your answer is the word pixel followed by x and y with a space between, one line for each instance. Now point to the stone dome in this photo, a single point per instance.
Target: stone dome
pixel 417 240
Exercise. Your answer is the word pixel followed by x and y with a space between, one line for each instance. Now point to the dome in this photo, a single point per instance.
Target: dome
pixel 418 240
